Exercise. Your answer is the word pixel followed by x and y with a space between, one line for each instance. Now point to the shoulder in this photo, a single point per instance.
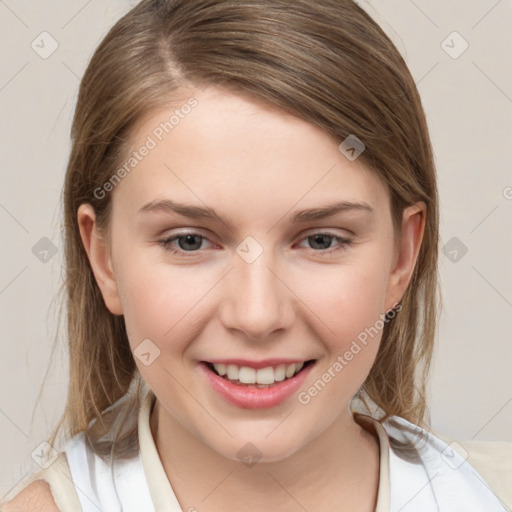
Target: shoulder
pixel 481 470
pixel 487 456
pixel 492 460
pixel 491 454
pixel 48 490
pixel 36 497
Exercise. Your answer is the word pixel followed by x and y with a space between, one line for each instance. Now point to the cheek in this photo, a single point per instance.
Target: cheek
pixel 349 297
pixel 161 302
pixel 349 318
pixel 348 305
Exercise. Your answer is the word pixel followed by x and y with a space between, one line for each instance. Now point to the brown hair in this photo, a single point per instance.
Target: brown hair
pixel 326 62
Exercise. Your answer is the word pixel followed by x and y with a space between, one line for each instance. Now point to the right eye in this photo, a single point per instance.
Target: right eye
pixel 187 242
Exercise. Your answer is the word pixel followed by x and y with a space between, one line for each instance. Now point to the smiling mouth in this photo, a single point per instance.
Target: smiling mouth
pixel 263 378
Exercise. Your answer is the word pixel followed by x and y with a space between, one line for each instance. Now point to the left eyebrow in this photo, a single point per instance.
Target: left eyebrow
pixel 193 211
pixel 332 209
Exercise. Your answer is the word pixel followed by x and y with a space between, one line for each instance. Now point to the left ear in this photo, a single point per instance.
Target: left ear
pixel 413 227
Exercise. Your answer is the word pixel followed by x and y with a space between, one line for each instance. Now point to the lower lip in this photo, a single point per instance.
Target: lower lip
pixel 253 397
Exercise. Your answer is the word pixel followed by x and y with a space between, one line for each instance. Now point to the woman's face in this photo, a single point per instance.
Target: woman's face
pixel 261 277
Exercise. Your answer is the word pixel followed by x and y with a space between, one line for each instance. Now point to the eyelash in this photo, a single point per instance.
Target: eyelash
pixel 343 243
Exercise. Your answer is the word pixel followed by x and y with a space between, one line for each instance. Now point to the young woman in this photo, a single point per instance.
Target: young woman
pixel 251 233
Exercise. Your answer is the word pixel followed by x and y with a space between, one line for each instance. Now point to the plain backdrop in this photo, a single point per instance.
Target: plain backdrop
pixel 459 53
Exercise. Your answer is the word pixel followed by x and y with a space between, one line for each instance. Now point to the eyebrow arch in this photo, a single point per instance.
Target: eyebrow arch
pixel 331 209
pixel 168 205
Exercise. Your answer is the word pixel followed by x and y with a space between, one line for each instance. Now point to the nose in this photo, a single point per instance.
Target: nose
pixel 256 300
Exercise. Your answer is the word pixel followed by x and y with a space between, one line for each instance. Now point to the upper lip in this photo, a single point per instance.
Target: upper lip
pixel 257 364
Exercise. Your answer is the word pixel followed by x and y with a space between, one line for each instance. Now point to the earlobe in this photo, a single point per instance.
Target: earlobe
pixel 413 228
pixel 101 262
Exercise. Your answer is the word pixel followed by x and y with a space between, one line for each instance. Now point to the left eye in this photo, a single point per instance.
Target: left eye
pixel 324 239
pixel 191 242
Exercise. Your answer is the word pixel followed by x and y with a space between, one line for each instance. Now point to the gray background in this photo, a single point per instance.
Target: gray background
pixel 468 100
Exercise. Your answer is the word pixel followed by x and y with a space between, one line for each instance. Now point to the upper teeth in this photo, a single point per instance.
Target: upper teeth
pixel 268 375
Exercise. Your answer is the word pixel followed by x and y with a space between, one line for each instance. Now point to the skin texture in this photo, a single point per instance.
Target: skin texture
pixel 36 497
pixel 255 166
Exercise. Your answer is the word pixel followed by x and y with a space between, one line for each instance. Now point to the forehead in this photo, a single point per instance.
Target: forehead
pixel 227 150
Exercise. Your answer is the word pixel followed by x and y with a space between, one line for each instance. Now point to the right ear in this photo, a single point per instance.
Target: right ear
pixel 99 258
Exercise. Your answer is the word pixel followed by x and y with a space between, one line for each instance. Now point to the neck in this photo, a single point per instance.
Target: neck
pixel 340 466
